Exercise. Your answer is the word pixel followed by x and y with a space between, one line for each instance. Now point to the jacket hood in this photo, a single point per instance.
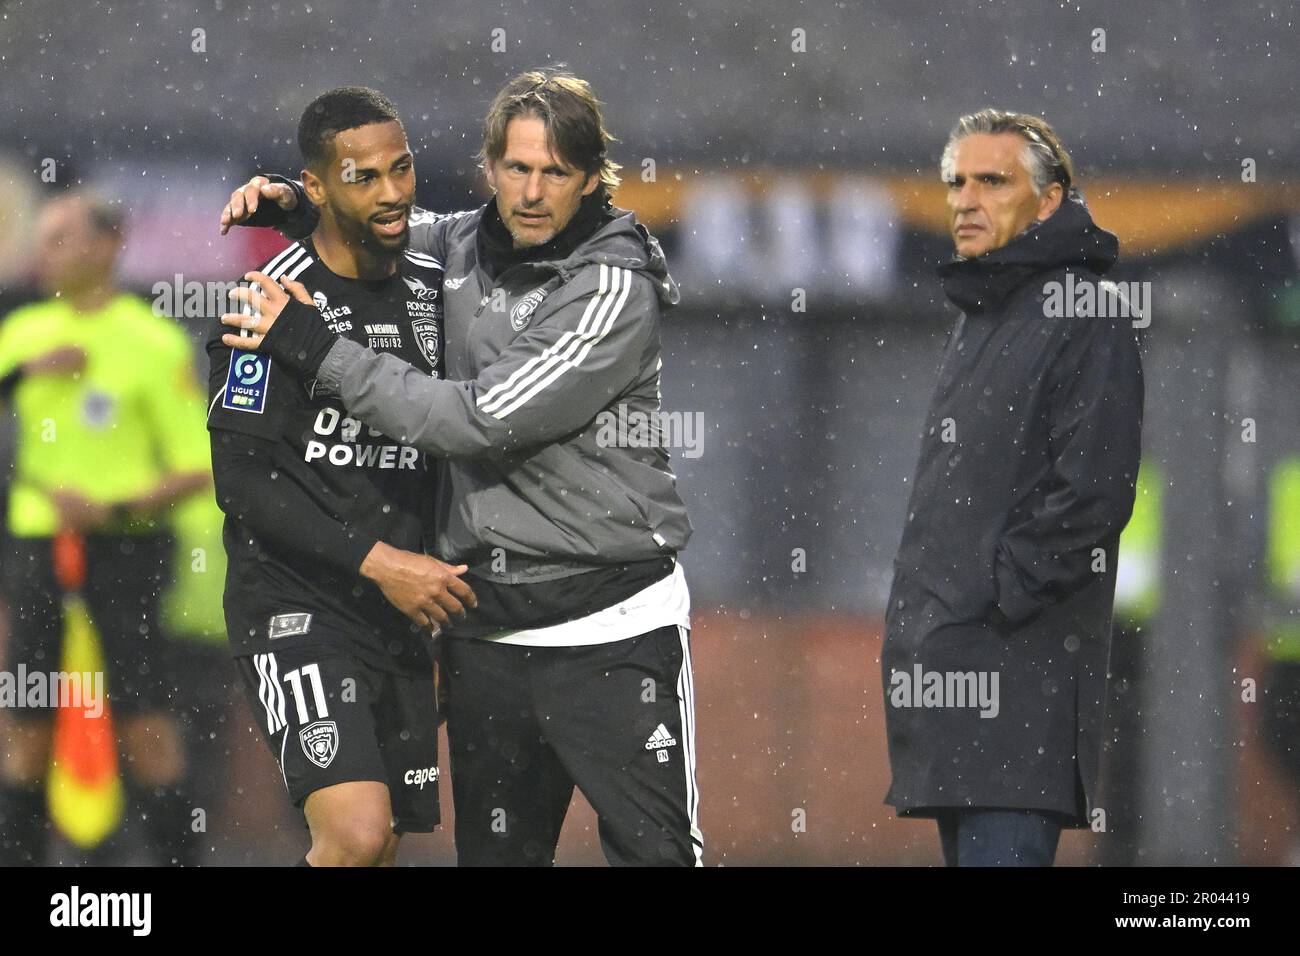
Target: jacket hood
pixel 626 243
pixel 1067 238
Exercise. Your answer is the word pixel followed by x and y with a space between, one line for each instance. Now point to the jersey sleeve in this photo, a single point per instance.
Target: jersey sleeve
pixel 244 390
pixel 282 514
pixel 1096 439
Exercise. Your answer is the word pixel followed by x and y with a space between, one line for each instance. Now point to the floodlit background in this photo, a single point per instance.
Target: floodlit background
pixel 786 156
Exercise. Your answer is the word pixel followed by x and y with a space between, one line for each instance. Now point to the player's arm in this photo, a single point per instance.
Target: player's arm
pixel 575 359
pixel 175 415
pixel 252 489
pixel 1096 424
pixel 64 360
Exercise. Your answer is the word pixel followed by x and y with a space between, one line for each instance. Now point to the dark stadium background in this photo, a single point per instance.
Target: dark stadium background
pixel 776 171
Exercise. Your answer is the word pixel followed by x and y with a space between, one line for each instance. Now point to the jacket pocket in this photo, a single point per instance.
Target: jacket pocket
pixel 614 496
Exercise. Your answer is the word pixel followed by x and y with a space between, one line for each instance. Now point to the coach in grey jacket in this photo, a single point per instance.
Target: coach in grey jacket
pixel 552 327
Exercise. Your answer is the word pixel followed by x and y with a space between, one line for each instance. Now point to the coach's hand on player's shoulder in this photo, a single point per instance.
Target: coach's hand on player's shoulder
pixel 426 590
pixel 244 200
pixel 265 299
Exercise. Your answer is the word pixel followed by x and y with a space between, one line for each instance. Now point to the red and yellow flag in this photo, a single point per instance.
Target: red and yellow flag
pixel 84 788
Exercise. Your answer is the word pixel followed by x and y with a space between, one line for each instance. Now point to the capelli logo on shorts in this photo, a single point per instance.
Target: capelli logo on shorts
pixel 420 776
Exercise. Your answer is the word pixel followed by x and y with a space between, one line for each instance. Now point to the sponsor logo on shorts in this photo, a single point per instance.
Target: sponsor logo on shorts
pixel 320 742
pixel 289 625
pixel 247 382
pixel 420 776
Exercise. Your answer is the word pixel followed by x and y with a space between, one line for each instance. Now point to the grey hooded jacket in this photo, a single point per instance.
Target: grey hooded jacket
pixel 538 364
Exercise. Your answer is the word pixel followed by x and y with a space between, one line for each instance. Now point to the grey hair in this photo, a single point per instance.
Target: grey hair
pixel 1043 157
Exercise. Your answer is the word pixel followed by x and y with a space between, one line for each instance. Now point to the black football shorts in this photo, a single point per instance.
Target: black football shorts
pixel 330 718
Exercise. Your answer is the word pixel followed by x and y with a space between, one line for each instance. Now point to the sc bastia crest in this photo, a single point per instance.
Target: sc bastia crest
pixel 426 338
pixel 525 307
pixel 320 742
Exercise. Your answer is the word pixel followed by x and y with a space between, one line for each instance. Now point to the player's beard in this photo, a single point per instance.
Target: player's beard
pixel 360 232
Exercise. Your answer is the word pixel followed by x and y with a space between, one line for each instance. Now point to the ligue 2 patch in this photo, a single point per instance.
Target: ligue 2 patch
pixel 320 742
pixel 246 382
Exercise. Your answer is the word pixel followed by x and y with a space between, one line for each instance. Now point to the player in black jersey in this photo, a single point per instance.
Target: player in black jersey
pixel 332 606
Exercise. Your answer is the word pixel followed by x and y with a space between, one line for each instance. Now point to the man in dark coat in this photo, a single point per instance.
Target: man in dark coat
pixel 997 630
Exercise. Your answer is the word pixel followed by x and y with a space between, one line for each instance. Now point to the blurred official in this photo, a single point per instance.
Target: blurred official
pixel 109 438
pixel 998 624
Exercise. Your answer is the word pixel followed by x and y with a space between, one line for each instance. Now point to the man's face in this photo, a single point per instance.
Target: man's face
pixel 991 198
pixel 537 191
pixel 368 187
pixel 70 253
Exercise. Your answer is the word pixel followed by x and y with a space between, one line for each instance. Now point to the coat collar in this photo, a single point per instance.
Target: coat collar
pixel 1067 238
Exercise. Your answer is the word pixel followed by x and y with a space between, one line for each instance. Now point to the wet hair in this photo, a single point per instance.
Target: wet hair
pixel 575 128
pixel 334 111
pixel 1044 157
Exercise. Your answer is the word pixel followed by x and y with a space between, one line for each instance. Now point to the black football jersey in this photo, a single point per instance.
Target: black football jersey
pixel 368 482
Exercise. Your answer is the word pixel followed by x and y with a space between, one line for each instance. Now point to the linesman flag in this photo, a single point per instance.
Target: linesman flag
pixel 84 788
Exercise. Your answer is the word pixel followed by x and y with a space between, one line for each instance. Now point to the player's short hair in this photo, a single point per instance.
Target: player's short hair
pixel 334 111
pixel 1044 157
pixel 575 127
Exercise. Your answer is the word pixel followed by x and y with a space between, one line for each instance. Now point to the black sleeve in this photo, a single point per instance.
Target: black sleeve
pixel 297 222
pixel 260 419
pixel 244 446
pixel 267 501
pixel 1096 404
pixel 299 340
